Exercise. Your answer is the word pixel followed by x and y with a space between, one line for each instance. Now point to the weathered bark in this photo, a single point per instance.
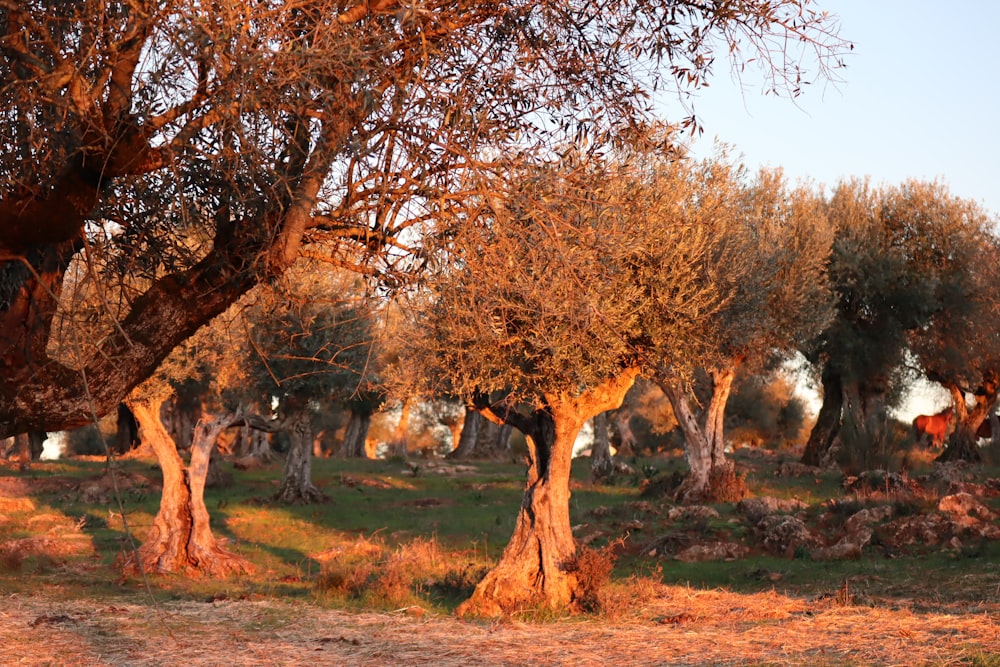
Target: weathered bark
pixel 181 539
pixel 356 434
pixel 963 444
pixel 715 415
pixel 602 466
pixel 469 435
pixel 296 483
pixel 828 422
pixel 697 449
pixel 41 228
pixel 41 394
pixel 712 476
pixel 864 439
pixel 536 568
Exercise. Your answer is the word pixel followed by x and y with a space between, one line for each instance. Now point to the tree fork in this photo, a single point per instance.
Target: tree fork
pixel 535 568
pixel 181 538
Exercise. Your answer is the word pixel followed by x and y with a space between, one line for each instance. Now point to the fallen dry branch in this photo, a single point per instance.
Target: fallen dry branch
pixel 681 626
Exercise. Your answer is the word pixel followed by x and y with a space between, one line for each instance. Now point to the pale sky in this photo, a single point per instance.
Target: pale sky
pixel 920 98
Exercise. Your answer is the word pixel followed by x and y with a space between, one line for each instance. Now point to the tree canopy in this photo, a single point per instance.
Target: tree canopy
pixel 183 151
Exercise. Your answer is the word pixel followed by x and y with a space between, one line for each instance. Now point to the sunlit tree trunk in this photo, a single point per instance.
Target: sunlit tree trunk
pixel 469 435
pixel 715 416
pixel 296 484
pixel 712 475
pixel 536 568
pixel 697 449
pixel 181 539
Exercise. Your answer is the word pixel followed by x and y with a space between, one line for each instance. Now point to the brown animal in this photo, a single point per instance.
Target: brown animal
pixel 936 426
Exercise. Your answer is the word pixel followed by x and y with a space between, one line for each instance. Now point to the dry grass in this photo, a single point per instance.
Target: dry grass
pixel 676 626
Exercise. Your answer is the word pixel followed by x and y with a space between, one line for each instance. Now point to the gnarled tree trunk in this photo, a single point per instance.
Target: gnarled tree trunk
pixel 712 476
pixel 181 539
pixel 469 435
pixel 827 427
pixel 537 566
pixel 296 483
pixel 963 444
pixel 602 466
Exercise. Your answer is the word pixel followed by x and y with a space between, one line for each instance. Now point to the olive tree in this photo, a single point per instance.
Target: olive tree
pixel 542 309
pixel 311 346
pixel 183 151
pixel 769 247
pixel 899 259
pixel 307 342
pixel 959 346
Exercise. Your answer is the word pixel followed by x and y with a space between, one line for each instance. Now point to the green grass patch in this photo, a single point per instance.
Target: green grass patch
pixel 392 539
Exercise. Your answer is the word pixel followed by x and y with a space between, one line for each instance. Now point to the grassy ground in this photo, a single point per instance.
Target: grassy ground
pixel 393 542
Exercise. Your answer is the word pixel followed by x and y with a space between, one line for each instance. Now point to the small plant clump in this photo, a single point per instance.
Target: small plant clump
pixel 593 568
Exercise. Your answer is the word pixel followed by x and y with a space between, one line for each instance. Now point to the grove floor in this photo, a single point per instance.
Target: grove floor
pixel 677 626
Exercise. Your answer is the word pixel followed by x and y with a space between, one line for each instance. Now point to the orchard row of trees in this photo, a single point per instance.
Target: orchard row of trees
pixel 163 157
pixel 570 278
pixel 575 276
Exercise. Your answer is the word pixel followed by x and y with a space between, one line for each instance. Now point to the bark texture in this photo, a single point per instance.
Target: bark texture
pixel 711 475
pixel 181 538
pixel 296 483
pixel 827 427
pixel 537 566
pixel 964 443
